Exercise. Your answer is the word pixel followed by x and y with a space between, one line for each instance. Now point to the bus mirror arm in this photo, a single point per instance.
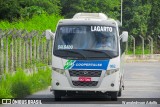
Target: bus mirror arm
pixel 124 36
pixel 49 34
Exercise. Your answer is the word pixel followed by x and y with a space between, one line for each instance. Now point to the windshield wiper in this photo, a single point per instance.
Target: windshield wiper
pixel 75 52
pixel 98 51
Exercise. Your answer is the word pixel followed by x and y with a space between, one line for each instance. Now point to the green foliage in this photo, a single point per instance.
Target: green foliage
pixel 50 6
pixel 20 84
pixel 110 7
pixel 38 81
pixel 154 23
pixel 13 9
pixel 5 86
pixel 9 9
pixel 38 22
pixel 28 12
pixel 138 51
pixel 136 17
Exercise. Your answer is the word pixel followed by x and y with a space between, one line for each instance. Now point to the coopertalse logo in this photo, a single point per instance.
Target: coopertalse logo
pixel 83 64
pixel 69 64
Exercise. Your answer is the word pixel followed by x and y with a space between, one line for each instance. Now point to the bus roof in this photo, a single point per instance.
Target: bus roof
pixel 90 15
pixel 89 19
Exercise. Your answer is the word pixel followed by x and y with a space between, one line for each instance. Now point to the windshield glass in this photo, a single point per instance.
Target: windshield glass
pixel 86 39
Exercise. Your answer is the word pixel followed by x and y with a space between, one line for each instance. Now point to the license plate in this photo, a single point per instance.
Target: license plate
pixel 85 79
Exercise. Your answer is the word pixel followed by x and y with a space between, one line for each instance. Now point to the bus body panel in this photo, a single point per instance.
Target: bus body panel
pixel 104 86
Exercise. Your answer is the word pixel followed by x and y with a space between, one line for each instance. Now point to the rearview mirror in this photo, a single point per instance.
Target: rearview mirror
pixel 124 36
pixel 49 34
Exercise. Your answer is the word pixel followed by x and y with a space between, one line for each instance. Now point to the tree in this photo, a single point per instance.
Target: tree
pixel 136 16
pixel 110 7
pixel 9 9
pixel 14 9
pixel 28 12
pixel 154 22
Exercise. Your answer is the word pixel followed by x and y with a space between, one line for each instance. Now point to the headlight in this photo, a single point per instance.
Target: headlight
pixel 61 71
pixel 109 72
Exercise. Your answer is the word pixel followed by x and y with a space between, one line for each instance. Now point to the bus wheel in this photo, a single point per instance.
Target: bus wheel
pixel 120 92
pixel 120 89
pixel 114 96
pixel 57 95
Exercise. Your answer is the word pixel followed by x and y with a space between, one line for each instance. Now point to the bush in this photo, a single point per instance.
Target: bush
pixel 5 86
pixel 41 80
pixel 20 84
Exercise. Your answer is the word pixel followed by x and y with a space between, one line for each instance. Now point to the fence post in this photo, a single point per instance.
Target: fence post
pixel 43 48
pixel 24 53
pixel 40 48
pixel 133 45
pixel 126 47
pixel 47 50
pixel 20 50
pixel 31 50
pixel 2 54
pixel 142 45
pixel 15 50
pixel 7 53
pixel 38 53
pixel 12 54
pixel 151 46
pixel 35 52
pixel 7 47
pixel 44 52
pixel 26 43
pixel 51 48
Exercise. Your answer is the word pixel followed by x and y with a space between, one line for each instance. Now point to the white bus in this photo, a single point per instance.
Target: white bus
pixel 87 56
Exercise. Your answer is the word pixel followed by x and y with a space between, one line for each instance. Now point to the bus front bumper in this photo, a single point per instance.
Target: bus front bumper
pixel 61 82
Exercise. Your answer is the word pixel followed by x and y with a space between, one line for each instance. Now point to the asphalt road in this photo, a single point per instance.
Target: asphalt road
pixel 142 80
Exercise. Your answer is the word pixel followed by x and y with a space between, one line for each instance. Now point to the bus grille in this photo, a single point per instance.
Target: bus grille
pixel 85 73
pixel 79 83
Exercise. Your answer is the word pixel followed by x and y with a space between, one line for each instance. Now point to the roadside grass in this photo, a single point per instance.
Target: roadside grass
pixel 20 84
pixel 37 22
pixel 138 51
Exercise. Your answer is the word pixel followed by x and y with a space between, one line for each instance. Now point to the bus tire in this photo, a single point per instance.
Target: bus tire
pixel 57 95
pixel 120 89
pixel 120 92
pixel 114 96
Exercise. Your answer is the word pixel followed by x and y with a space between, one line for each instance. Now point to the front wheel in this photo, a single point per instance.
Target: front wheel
pixel 57 95
pixel 114 96
pixel 120 92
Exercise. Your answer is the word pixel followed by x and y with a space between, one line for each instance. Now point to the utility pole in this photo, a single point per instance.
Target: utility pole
pixel 121 11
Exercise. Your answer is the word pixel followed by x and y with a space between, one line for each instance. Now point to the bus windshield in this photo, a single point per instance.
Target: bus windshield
pixel 86 40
